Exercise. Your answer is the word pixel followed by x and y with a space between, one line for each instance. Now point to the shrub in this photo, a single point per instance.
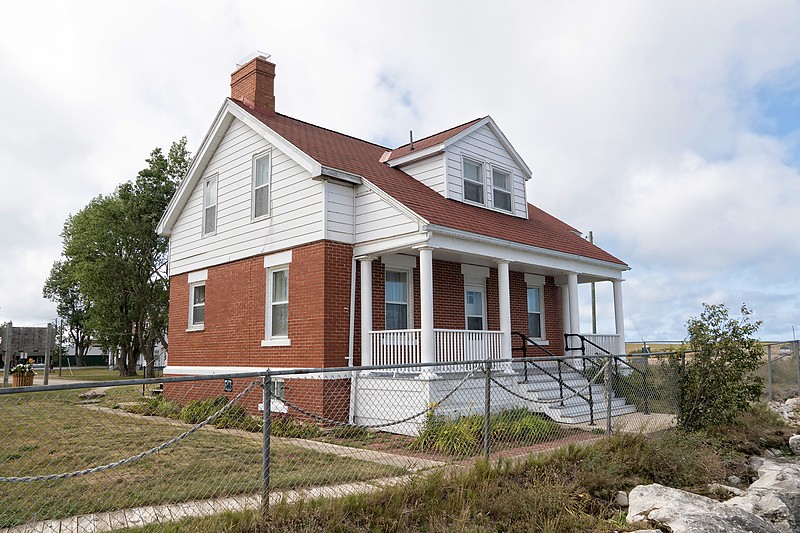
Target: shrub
pixel 717 381
pixel 290 427
pixel 155 406
pixel 235 416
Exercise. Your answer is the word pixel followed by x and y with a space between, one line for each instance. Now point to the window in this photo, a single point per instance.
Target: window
pixel 210 206
pixel 278 308
pixel 535 327
pixel 261 176
pixel 397 299
pixel 501 189
pixel 473 181
pixel 475 307
pixel 197 307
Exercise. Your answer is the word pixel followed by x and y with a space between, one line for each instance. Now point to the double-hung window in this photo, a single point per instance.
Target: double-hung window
pixel 397 308
pixel 279 303
pixel 276 321
pixel 261 179
pixel 197 299
pixel 197 311
pixel 210 206
pixel 473 181
pixel 501 189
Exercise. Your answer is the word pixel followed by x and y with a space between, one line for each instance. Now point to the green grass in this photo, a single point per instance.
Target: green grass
pixel 90 373
pixel 569 490
pixel 48 433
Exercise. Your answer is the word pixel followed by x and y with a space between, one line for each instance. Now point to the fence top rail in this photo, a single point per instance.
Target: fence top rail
pixel 292 372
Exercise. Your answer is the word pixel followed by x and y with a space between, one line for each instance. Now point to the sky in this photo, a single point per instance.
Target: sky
pixel 671 130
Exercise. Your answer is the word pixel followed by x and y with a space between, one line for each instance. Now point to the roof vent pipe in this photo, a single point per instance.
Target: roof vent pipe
pixel 411 139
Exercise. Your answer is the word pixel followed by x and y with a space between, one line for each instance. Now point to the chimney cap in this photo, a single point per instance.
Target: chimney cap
pixel 252 55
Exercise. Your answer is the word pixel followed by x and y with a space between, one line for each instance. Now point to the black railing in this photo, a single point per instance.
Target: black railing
pixel 523 348
pixel 617 360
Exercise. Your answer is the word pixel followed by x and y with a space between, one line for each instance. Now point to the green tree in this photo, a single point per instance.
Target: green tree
pixel 62 288
pixel 719 358
pixel 119 262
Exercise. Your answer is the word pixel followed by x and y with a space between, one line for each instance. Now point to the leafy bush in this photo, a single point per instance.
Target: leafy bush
pixel 235 416
pixel 463 436
pixel 290 427
pixel 155 406
pixel 717 366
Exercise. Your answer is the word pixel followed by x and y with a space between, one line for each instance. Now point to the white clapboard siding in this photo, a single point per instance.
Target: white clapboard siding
pixel 376 218
pixel 429 171
pixel 482 145
pixel 339 212
pixel 296 207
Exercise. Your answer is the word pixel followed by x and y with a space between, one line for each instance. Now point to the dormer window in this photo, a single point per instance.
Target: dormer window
pixel 473 181
pixel 501 189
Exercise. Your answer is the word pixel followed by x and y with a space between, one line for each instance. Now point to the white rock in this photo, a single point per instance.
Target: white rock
pixel 621 499
pixel 734 480
pixel 730 491
pixel 768 505
pixel 794 444
pixel 686 512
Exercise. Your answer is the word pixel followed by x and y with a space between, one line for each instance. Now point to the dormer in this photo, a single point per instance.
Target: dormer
pixel 472 163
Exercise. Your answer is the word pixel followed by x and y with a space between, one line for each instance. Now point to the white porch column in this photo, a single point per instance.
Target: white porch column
pixel 366 310
pixel 505 308
pixel 619 318
pixel 428 348
pixel 565 307
pixel 574 316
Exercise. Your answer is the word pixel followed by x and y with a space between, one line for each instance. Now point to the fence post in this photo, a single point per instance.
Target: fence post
pixel 796 358
pixel 7 341
pixel 608 395
pixel 487 408
pixel 48 350
pixel 769 372
pixel 266 397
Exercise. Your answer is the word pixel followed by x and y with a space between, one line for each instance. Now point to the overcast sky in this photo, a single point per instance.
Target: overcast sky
pixel 669 129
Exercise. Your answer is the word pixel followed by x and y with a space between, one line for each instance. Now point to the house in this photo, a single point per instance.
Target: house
pixel 295 246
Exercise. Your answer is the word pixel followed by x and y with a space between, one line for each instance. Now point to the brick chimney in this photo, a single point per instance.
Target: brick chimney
pixel 254 83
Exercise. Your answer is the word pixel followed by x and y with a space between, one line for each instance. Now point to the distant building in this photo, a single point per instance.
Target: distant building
pixel 28 343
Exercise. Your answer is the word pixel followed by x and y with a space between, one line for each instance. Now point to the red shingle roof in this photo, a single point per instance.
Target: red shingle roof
pixel 357 156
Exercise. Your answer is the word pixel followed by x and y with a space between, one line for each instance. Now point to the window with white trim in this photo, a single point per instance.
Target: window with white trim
pixel 501 189
pixel 197 305
pixel 535 315
pixel 261 181
pixel 278 303
pixel 210 206
pixel 473 181
pixel 398 310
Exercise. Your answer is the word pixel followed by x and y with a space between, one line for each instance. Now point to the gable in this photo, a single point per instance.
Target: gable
pixel 296 204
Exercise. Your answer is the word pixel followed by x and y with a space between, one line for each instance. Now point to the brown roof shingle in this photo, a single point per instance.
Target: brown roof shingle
pixel 357 156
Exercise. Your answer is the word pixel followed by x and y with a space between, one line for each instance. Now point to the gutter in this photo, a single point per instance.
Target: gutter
pixel 465 235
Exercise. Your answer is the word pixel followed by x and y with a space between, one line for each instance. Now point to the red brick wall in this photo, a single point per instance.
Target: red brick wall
pixel 319 301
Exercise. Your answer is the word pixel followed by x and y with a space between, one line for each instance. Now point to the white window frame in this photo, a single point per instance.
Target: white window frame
pixel 274 263
pixel 481 172
pixel 215 180
pixel 534 281
pixel 509 191
pixel 268 186
pixel 409 297
pixel 196 279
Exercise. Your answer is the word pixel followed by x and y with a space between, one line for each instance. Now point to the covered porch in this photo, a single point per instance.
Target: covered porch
pixel 440 304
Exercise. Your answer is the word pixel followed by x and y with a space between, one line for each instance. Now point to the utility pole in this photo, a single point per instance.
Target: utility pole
pixel 594 297
pixel 48 349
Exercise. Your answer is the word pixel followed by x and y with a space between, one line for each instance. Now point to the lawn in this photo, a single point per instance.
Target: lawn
pixel 50 433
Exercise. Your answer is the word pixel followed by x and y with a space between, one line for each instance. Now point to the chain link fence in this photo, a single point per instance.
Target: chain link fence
pixel 781 370
pixel 108 455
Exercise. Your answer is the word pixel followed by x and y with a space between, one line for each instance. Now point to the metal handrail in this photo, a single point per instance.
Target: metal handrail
pixel 643 390
pixel 559 378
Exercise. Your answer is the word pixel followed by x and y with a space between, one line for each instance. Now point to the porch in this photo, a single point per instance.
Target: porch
pixel 404 347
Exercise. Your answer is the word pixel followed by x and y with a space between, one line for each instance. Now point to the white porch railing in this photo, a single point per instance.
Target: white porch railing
pixel 607 342
pixel 401 347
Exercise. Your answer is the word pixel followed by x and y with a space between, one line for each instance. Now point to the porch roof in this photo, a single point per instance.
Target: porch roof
pixel 356 156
